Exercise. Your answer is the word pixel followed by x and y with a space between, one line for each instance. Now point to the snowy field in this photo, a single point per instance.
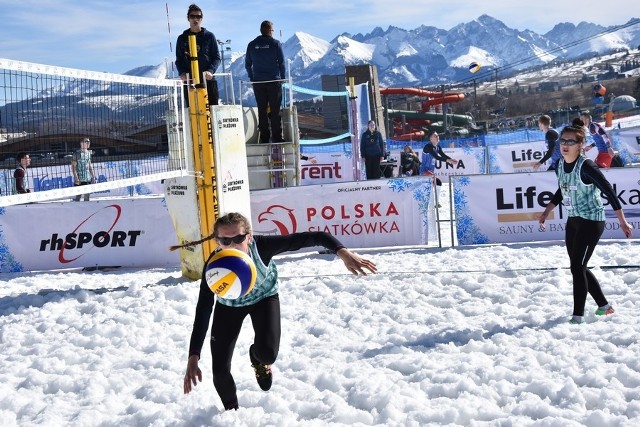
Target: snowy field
pixel 460 336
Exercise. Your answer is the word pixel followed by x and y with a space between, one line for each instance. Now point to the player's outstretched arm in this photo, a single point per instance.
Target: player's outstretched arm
pixel 355 263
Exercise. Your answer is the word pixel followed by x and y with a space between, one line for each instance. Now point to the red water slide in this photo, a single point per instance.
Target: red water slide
pixel 435 98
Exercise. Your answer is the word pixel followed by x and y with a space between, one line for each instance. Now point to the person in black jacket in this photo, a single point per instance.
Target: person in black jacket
pixel 432 151
pixel 262 303
pixel 20 174
pixel 264 62
pixel 409 162
pixel 208 55
pixel 372 150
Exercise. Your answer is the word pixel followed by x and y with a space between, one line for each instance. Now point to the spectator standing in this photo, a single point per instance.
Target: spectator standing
pixel 553 147
pixel 208 55
pixel 82 168
pixel 20 174
pixel 372 150
pixel 264 62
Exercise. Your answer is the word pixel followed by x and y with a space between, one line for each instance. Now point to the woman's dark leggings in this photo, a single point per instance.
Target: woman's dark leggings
pixel 582 236
pixel 227 322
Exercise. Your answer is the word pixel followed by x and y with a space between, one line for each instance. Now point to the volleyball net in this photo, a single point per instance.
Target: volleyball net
pixel 134 125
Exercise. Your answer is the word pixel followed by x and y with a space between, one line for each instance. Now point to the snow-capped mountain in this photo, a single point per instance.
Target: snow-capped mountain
pixel 428 55
pixel 424 56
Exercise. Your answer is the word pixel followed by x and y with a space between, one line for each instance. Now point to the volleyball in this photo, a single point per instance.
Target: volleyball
pixel 230 274
pixel 474 67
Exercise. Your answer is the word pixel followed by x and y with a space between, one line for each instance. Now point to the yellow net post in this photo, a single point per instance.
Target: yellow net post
pixel 202 136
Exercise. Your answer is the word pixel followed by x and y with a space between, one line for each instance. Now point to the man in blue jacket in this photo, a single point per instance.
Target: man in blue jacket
pixel 264 62
pixel 208 54
pixel 372 150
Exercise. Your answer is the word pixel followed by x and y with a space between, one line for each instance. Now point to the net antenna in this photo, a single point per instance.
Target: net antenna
pixel 169 74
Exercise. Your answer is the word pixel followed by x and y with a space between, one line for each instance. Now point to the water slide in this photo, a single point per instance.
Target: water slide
pixel 421 119
pixel 434 98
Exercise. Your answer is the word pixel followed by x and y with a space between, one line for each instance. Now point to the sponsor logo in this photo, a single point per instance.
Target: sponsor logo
pixel 321 171
pixel 525 158
pixel 521 199
pixel 45 183
pixel 80 240
pixel 233 185
pixel 228 122
pixel 281 218
pixel 359 210
pixel 444 165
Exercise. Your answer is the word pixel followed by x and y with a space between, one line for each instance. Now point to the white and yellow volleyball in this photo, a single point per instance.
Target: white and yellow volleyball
pixel 230 274
pixel 474 67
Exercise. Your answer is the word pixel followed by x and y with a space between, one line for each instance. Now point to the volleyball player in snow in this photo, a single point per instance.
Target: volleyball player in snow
pixel 600 141
pixel 262 304
pixel 432 152
pixel 580 186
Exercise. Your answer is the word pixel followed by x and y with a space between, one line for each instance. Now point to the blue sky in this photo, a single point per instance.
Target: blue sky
pixel 116 36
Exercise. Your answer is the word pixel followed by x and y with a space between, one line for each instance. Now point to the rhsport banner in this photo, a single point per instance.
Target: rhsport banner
pixel 56 235
pixel 504 208
pixel 360 214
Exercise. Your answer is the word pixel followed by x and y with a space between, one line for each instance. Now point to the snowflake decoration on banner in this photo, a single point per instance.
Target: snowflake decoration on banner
pixel 494 167
pixel 8 263
pixel 399 184
pixel 467 231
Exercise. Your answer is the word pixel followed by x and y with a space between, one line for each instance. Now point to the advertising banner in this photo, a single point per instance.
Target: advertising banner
pixel 629 143
pixel 50 236
pixel 326 168
pixel 504 208
pixel 360 214
pixel 471 160
pixel 520 157
pixel 232 174
pixel 60 176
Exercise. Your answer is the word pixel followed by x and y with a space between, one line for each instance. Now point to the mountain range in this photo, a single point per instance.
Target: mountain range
pixel 404 58
pixel 429 56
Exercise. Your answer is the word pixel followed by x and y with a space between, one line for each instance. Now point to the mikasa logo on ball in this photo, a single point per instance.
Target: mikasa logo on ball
pixel 222 287
pixel 230 274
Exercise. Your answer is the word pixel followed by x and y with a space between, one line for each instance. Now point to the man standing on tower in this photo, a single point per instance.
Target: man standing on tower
pixel 264 62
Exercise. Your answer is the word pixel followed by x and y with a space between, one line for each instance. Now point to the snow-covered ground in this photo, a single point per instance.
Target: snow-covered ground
pixel 459 336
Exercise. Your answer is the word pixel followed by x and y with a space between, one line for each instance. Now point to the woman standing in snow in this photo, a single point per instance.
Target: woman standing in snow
pixel 580 185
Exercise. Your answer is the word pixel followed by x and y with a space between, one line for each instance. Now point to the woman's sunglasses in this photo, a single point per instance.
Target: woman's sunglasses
pixel 226 241
pixel 568 142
